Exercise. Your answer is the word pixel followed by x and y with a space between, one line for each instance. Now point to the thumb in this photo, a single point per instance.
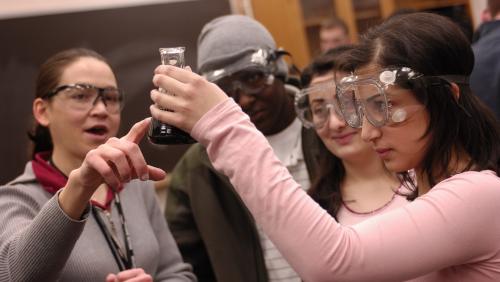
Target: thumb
pixel 137 131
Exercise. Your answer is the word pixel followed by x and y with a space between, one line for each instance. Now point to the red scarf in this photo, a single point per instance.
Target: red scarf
pixel 52 179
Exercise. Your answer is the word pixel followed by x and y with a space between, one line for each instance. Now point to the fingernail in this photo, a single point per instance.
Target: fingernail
pixel 145 177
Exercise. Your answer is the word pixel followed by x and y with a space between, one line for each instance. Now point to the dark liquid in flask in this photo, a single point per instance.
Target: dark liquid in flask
pixel 161 133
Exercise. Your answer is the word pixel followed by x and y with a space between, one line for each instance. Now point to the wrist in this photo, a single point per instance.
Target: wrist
pixel 74 197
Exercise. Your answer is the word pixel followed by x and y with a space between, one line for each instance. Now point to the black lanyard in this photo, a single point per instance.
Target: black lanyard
pixel 125 260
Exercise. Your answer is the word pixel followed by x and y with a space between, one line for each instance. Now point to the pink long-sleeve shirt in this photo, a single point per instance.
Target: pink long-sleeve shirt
pixel 452 233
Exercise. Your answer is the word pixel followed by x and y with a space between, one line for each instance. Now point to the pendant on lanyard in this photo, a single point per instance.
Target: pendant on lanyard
pixel 124 259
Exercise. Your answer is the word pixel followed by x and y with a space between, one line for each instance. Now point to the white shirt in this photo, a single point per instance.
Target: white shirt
pixel 287 146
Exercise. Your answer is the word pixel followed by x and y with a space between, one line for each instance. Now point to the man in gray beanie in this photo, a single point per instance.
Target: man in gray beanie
pixel 239 54
pixel 214 230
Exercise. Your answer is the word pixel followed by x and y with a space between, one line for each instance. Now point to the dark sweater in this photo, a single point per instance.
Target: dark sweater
pixel 485 77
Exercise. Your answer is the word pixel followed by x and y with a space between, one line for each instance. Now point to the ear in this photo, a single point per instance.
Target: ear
pixel 40 111
pixel 455 90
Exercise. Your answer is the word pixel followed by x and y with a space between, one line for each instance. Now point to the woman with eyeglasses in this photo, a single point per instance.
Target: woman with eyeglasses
pixel 410 97
pixel 83 210
pixel 352 183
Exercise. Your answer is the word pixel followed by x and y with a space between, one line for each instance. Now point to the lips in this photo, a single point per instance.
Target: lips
pixel 383 152
pixel 340 136
pixel 256 115
pixel 97 130
pixel 344 138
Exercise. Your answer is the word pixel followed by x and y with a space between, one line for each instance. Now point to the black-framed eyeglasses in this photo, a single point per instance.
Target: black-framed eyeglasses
pixel 82 97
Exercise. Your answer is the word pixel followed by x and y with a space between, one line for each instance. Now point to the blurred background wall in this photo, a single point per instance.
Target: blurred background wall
pixel 296 23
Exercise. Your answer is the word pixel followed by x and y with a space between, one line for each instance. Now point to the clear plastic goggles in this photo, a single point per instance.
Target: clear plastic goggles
pixel 366 96
pixel 314 105
pixel 361 96
pixel 252 59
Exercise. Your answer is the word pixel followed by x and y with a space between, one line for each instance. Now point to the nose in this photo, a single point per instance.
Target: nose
pixel 335 122
pixel 99 106
pixel 369 132
pixel 243 99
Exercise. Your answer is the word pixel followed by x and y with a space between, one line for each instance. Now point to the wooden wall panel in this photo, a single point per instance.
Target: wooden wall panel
pixel 284 20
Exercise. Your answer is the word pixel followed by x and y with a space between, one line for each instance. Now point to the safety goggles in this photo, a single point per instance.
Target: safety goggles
pixel 314 105
pixel 370 96
pixel 248 82
pixel 82 97
pixel 248 58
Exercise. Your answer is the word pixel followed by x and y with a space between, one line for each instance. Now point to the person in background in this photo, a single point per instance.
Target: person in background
pixel 333 33
pixel 352 183
pixel 485 77
pixel 410 96
pixel 79 211
pixel 213 229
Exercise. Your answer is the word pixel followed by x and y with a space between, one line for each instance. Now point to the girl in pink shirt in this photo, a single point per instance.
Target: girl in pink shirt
pixel 410 97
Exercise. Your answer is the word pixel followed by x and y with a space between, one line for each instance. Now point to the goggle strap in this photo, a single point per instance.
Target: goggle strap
pixel 460 79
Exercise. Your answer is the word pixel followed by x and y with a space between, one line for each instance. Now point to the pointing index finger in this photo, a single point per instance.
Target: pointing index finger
pixel 137 131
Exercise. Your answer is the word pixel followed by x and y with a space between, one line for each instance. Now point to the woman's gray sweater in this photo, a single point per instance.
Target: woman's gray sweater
pixel 39 242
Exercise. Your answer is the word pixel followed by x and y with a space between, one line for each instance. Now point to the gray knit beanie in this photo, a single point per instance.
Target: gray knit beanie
pixel 232 43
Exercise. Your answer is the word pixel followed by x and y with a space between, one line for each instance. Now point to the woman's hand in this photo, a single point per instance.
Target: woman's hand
pixel 130 275
pixel 115 162
pixel 118 161
pixel 193 96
